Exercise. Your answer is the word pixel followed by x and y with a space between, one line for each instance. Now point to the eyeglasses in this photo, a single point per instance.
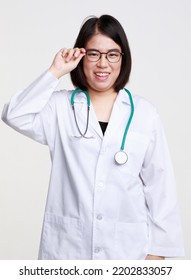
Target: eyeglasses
pixel 112 56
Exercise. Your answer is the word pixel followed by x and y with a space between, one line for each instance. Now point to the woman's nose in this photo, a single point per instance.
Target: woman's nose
pixel 102 62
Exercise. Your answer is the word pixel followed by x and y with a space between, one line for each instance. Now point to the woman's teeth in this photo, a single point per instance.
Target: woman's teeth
pixel 102 74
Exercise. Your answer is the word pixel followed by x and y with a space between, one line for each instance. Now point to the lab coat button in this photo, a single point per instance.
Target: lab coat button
pixel 99 217
pixel 97 250
pixel 100 184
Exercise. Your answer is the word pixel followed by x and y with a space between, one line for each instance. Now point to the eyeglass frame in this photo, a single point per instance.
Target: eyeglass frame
pixel 106 53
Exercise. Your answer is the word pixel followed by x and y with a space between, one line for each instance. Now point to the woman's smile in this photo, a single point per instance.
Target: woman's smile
pixel 102 76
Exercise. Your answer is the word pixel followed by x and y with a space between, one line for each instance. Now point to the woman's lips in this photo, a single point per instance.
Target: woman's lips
pixel 102 75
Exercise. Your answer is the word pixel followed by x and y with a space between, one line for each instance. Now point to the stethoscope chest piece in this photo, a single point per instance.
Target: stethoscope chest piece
pixel 121 157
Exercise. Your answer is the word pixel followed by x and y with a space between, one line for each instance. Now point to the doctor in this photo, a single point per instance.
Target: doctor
pixel 99 207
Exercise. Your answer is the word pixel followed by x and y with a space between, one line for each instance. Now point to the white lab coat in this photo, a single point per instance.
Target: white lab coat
pixel 96 209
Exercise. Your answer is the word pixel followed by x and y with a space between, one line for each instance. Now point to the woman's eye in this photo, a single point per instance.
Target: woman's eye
pixel 93 54
pixel 113 54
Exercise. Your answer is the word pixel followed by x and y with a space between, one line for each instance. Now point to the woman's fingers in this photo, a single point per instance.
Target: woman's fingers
pixel 66 60
pixel 72 54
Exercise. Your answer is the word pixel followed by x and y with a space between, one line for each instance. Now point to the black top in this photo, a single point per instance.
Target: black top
pixel 103 126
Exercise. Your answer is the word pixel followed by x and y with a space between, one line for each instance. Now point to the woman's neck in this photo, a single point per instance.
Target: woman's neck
pixel 101 95
pixel 103 104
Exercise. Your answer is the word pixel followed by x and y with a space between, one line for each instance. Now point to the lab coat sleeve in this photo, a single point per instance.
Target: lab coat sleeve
pixel 165 234
pixel 29 109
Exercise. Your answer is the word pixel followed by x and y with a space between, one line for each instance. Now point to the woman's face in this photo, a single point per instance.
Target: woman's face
pixel 101 75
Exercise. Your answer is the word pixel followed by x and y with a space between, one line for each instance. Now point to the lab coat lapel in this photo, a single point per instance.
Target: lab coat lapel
pixel 94 124
pixel 120 113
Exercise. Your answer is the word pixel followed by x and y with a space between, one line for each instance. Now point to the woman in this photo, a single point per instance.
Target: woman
pixel 97 208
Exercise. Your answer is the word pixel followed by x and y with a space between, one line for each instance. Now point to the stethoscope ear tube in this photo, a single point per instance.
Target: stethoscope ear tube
pixel 88 112
pixel 87 123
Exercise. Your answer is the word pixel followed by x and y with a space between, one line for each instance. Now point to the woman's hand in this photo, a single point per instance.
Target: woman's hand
pixel 66 60
pixel 151 257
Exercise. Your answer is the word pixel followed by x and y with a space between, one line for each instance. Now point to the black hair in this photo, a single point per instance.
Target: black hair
pixel 108 26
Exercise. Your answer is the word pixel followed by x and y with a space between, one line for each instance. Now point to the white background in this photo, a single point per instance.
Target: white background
pixel 31 32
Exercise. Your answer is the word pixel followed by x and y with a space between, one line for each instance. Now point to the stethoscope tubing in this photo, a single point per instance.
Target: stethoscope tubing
pixel 129 120
pixel 121 156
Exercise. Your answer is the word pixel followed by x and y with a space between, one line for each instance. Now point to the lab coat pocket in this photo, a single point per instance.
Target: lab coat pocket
pixel 131 240
pixel 136 146
pixel 61 237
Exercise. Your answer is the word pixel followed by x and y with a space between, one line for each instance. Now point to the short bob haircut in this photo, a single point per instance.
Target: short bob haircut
pixel 110 27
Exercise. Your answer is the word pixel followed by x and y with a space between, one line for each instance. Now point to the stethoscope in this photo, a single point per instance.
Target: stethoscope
pixel 121 156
